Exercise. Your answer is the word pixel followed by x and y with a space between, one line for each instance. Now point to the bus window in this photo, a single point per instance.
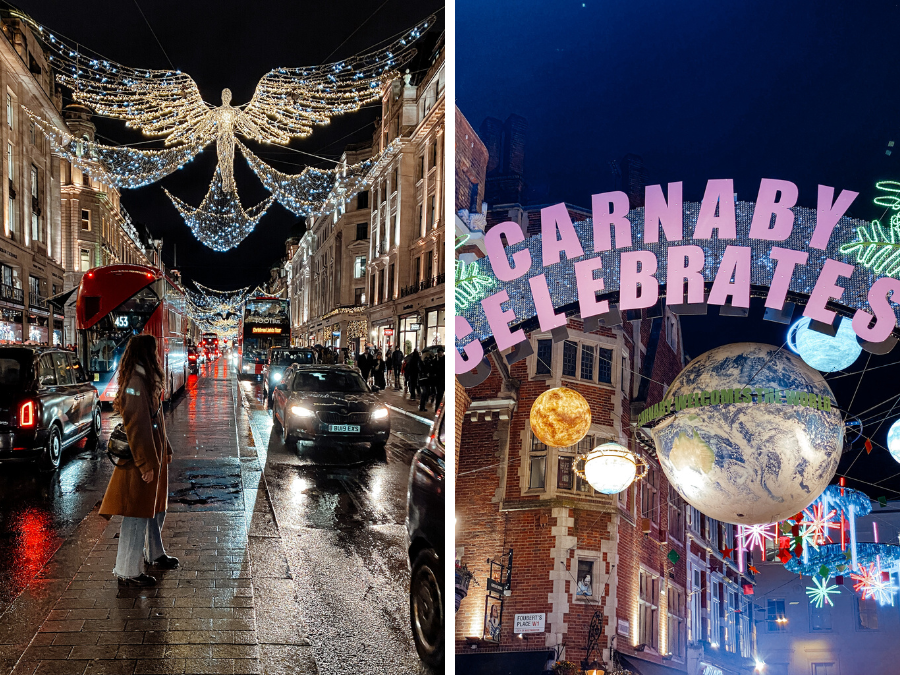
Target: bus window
pixel 106 340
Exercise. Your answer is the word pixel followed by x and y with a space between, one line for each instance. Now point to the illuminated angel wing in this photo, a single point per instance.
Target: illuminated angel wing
pixel 288 102
pixel 158 102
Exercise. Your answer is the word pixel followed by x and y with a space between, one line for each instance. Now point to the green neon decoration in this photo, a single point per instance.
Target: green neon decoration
pixel 877 247
pixel 819 593
pixel 471 284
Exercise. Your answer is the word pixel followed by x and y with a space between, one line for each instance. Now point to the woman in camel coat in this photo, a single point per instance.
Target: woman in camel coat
pixel 138 489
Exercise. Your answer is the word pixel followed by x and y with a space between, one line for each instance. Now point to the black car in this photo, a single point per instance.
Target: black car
pixel 425 544
pixel 281 358
pixel 333 403
pixel 46 404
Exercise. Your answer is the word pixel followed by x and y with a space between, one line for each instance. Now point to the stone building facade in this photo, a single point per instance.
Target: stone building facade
pixel 96 229
pixel 328 272
pixel 30 245
pixel 405 268
pixel 580 556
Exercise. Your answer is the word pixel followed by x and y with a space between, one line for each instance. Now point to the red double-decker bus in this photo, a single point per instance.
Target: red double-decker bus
pixel 118 301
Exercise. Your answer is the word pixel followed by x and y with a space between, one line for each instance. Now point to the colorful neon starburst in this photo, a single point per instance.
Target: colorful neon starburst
pixel 819 593
pixel 817 523
pixel 871 583
pixel 757 535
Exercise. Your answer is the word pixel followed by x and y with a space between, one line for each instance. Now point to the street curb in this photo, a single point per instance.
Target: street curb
pixel 418 418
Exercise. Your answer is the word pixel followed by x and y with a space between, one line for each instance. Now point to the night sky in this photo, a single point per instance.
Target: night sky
pixel 801 91
pixel 228 44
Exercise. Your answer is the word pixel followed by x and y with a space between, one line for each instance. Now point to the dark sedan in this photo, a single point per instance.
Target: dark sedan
pixel 46 404
pixel 425 544
pixel 329 403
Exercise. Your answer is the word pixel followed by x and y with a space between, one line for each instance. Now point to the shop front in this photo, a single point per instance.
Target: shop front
pixel 10 325
pixel 39 329
pixel 434 326
pixel 410 333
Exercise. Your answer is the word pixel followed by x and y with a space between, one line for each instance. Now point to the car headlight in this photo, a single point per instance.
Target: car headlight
pixel 300 411
pixel 246 368
pixel 379 413
pixel 276 377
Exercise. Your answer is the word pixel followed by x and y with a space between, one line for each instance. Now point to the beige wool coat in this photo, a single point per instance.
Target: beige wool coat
pixel 127 494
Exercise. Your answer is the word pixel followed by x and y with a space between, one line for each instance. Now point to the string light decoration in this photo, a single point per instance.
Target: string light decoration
pixel 871 583
pixel 119 167
pixel 756 536
pixel 287 104
pixel 470 284
pixel 817 522
pixel 876 247
pixel 317 192
pixel 220 222
pixel 819 593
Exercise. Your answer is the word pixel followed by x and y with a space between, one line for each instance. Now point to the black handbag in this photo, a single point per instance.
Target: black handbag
pixel 117 448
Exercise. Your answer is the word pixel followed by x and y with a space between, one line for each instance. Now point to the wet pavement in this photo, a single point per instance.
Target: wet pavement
pixel 293 559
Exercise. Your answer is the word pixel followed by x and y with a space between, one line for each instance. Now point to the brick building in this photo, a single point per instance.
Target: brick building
pixel 579 556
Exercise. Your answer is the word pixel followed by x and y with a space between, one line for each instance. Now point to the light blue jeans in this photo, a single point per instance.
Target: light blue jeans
pixel 136 536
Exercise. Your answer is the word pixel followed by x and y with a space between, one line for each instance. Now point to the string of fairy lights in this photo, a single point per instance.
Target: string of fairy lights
pixel 288 104
pixel 216 311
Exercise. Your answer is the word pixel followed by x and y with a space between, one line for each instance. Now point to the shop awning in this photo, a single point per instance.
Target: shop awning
pixel 502 663
pixel 60 299
pixel 641 667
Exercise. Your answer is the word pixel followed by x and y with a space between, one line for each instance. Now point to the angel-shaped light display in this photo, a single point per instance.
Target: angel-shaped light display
pixel 287 104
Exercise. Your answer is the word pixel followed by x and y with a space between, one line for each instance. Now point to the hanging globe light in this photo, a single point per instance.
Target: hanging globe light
pixel 894 440
pixel 823 352
pixel 611 467
pixel 560 417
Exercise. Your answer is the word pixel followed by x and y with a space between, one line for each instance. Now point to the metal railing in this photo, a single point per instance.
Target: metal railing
pixel 424 285
pixel 37 301
pixel 12 293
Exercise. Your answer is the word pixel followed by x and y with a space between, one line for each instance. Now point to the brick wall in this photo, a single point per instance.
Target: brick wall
pixel 471 163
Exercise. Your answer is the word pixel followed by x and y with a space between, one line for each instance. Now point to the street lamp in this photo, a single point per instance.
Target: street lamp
pixel 611 467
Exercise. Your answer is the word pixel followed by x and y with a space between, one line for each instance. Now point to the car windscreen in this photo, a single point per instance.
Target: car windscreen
pixel 322 381
pixel 14 366
pixel 286 358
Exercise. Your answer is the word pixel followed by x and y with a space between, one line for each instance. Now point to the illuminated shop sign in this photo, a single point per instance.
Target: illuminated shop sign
pixel 621 260
pixel 265 329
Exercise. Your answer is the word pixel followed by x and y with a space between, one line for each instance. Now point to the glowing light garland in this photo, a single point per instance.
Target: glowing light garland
pixel 817 522
pixel 119 167
pixel 756 536
pixel 220 221
pixel 875 247
pixel 819 593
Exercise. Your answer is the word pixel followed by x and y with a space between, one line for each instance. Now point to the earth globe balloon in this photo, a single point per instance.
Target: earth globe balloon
pixel 560 417
pixel 824 352
pixel 751 435
pixel 894 440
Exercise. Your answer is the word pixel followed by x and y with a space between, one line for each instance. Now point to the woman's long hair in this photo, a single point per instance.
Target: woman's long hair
pixel 141 351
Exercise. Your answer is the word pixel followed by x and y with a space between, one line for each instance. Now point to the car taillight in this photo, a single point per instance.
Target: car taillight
pixel 26 415
pixel 192 357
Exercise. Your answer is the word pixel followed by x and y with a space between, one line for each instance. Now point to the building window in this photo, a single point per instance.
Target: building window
pixel 390 290
pixel 34 287
pixel 585 579
pixel 715 613
pixel 776 621
pixel 359 267
pixel 867 614
pixel 696 604
pixel 422 227
pixel 394 180
pixel 11 216
pixel 676 515
pixel 420 169
pixel 570 358
pixel 359 296
pixel 604 365
pixel 675 628
pixel 85 220
pixel 31 133
pixel 565 474
pixel 672 331
pixel 418 270
pixel 648 618
pixel 9 110
pixel 731 622
pixel 587 362
pixel 85 260
pixel 362 231
pixel 362 200
pixel 434 154
pixel 544 364
pixel 537 473
pixel 650 495
pixel 10 163
pixel 820 617
pixel 431 212
pixel 824 668
pixel 745 635
pixel 429 265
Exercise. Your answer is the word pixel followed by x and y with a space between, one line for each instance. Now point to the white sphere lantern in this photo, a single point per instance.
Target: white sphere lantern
pixel 611 467
pixel 893 439
pixel 825 353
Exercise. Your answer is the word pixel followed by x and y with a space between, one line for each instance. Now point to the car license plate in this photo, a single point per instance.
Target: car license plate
pixel 344 428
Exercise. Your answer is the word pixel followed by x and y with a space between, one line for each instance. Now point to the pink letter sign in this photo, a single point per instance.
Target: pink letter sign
pixel 609 210
pixel 499 321
pixel 543 303
pixel 555 218
pixel 827 216
pixel 883 292
pixel 474 351
pixel 719 193
pixel 636 270
pixel 685 264
pixel 787 259
pixel 497 252
pixel 588 288
pixel 736 263
pixel 825 289
pixel 767 206
pixel 657 211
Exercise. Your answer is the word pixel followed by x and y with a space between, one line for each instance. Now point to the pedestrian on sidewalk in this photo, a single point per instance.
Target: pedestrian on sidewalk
pixel 426 380
pixel 365 364
pixel 397 363
pixel 378 369
pixel 411 372
pixel 139 488
pixel 439 380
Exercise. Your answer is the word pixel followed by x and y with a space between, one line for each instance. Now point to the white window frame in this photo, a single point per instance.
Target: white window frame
pixel 676 505
pixel 86 220
pixel 673 593
pixel 556 359
pixel 648 609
